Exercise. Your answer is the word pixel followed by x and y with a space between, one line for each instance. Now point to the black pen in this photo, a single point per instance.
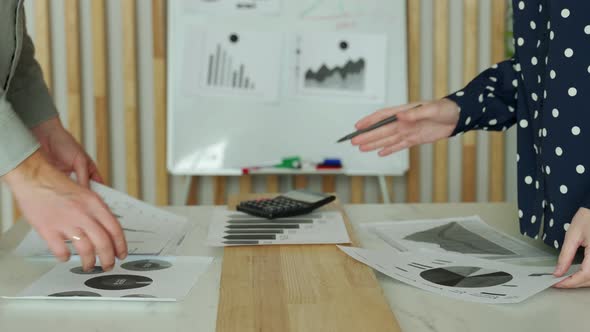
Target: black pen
pixel 381 123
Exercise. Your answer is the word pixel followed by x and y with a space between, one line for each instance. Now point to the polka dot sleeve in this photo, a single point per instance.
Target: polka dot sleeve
pixel 488 102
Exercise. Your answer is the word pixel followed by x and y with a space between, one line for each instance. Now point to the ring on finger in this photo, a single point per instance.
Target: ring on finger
pixel 77 236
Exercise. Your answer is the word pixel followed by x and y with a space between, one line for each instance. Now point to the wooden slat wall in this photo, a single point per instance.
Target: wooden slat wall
pixel 100 77
pixel 441 89
pixel 245 184
pixel 159 38
pixel 413 26
pixel 496 184
pixel 300 182
pixel 357 190
pixel 222 185
pixel 128 11
pixel 43 40
pixel 72 10
pixel 272 183
pixel 329 183
pixel 470 70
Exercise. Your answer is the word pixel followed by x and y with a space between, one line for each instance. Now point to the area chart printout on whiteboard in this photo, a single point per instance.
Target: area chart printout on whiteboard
pixel 228 63
pixel 342 66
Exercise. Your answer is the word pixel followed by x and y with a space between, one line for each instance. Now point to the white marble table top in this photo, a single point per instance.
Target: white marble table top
pixel 416 310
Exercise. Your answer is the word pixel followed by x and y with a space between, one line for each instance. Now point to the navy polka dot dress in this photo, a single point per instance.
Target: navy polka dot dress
pixel 545 90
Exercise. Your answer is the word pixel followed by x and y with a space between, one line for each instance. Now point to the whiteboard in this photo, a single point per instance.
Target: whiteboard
pixel 225 113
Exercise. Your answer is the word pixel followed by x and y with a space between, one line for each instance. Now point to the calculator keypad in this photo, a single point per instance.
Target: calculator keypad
pixel 276 207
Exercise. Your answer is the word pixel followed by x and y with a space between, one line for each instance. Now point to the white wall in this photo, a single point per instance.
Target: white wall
pixel 178 184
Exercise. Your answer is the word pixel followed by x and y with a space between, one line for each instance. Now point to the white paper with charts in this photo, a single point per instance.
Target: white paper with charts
pixel 138 278
pixel 460 276
pixel 464 235
pixel 231 228
pixel 229 63
pixel 148 230
pixel 341 66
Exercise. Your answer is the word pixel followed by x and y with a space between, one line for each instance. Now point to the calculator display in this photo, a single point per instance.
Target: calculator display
pixel 306 197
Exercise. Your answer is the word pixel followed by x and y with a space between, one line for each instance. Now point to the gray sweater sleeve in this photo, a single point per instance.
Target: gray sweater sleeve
pixel 28 92
pixel 16 141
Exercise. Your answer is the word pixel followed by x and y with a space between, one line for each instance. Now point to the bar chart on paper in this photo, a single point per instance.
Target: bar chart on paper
pixel 223 71
pixel 232 63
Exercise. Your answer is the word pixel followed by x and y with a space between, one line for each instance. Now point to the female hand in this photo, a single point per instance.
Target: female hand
pixel 577 235
pixel 61 150
pixel 59 209
pixel 426 124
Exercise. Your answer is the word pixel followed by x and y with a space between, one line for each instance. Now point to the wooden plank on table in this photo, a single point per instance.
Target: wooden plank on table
pixel 272 183
pixel 497 174
pixel 72 30
pixel 130 83
pixel 357 189
pixel 245 184
pixel 329 183
pixel 441 89
pixel 413 26
pixel 300 182
pixel 100 74
pixel 219 190
pixel 193 191
pixel 470 57
pixel 159 38
pixel 299 288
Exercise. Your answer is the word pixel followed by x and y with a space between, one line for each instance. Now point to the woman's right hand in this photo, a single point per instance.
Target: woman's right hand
pixel 59 209
pixel 426 124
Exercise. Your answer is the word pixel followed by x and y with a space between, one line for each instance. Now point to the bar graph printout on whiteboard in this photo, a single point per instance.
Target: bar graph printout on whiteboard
pixel 232 63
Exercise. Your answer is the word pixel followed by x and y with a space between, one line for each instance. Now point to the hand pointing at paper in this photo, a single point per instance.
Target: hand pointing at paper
pixel 576 237
pixel 425 124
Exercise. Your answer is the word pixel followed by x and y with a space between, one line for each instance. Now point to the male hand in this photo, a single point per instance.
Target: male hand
pixel 60 209
pixel 426 124
pixel 577 235
pixel 61 150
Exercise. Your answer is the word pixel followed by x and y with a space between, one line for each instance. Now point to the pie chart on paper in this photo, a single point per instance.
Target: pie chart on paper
pixel 466 277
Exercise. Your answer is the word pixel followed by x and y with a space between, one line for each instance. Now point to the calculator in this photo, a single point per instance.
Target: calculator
pixel 292 203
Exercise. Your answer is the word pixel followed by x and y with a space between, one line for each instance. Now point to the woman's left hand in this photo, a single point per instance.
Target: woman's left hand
pixel 577 235
pixel 61 149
